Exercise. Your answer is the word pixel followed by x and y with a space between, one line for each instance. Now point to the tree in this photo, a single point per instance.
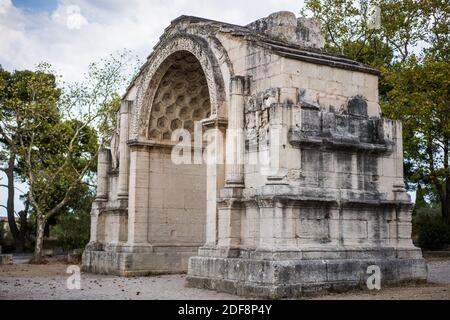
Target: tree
pixel 438 36
pixel 57 160
pixel 20 92
pixel 411 49
pixel 58 143
pixel 348 31
pixel 420 97
pixel 73 222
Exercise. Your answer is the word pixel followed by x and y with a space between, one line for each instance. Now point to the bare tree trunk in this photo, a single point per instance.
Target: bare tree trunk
pixel 442 188
pixel 445 198
pixel 40 227
pixel 23 216
pixel 445 210
pixel 19 244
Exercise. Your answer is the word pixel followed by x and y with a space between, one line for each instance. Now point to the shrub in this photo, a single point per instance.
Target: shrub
pixel 433 233
pixel 72 230
pixel 72 226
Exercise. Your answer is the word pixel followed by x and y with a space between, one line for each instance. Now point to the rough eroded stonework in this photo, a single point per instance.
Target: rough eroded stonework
pixel 307 188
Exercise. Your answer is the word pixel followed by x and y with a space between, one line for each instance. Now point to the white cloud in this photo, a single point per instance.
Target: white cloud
pixel 79 32
pixel 4 6
pixel 82 31
pixel 70 16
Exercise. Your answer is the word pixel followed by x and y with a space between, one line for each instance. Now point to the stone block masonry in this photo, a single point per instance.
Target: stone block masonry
pixel 306 189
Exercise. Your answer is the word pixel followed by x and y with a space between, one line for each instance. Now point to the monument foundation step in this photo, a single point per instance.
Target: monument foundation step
pixel 161 260
pixel 290 278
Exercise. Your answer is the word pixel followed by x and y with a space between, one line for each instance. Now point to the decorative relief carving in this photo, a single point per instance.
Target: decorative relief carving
pixel 181 99
pixel 156 68
pixel 333 130
pixel 257 116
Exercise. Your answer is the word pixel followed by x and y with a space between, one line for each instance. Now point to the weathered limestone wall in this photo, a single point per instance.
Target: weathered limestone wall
pixel 177 202
pixel 319 197
pixel 327 87
pixel 323 227
pixel 285 26
pixel 162 222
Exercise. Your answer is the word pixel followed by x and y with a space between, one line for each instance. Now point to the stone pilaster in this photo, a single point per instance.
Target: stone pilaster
pixel 97 223
pixel 124 153
pixel 138 201
pixel 94 228
pixel 276 226
pixel 103 165
pixel 404 226
pixel 215 131
pixel 230 215
pixel 279 120
pixel 235 134
pixel 399 187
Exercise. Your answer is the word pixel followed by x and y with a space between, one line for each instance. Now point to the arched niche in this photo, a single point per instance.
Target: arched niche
pixel 162 60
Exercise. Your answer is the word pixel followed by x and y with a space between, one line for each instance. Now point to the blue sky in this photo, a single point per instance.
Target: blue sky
pixel 36 5
pixel 70 34
pixel 56 31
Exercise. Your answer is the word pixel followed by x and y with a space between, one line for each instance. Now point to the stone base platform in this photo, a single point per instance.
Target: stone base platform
pixel 295 277
pixel 149 261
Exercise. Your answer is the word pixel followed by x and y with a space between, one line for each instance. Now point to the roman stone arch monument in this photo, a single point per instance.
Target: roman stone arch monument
pixel 290 180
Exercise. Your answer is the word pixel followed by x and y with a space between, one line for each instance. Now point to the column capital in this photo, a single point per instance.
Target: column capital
pixel 215 123
pixel 126 106
pixel 240 85
pixel 237 85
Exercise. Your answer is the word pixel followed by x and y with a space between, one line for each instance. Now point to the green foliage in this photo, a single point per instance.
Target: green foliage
pixel 55 130
pixel 423 214
pixel 72 230
pixel 419 97
pixel 73 223
pixel 60 156
pixel 429 228
pixel 438 35
pixel 57 170
pixel 347 31
pixel 432 232
pixel 411 49
pixel 28 108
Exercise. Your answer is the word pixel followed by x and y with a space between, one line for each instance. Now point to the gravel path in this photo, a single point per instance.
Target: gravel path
pixel 439 271
pixel 24 281
pixel 49 282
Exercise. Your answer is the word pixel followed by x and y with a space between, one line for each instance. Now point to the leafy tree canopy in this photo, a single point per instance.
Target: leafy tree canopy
pixel 410 46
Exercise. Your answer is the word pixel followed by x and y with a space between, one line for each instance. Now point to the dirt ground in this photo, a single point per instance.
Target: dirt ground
pixel 31 282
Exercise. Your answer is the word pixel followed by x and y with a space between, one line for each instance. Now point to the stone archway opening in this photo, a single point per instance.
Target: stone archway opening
pixel 316 207
pixel 177 193
pixel 181 99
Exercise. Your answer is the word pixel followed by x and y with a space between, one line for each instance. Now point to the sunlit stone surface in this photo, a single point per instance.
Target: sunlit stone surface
pixel 308 189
